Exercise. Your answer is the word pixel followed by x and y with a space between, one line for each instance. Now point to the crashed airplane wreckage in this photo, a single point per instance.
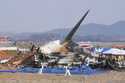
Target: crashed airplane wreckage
pixel 63 53
pixel 53 53
pixel 67 52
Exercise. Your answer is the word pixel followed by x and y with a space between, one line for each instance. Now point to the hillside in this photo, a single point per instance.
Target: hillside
pixel 88 32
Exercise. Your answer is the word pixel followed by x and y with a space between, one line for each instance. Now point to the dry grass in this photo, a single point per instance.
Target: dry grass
pixel 109 77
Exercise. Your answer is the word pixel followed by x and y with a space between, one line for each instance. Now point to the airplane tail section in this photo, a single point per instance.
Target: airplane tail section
pixel 72 32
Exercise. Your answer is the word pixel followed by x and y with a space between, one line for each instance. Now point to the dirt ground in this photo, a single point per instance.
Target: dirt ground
pixel 108 77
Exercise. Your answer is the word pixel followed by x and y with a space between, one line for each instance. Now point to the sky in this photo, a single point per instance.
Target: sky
pixel 44 15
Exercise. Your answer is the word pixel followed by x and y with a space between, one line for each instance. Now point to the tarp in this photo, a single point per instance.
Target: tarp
pixel 84 70
pixel 9 71
pixel 115 51
pixel 99 50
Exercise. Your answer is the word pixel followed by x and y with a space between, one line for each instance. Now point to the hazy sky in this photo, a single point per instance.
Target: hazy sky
pixel 42 15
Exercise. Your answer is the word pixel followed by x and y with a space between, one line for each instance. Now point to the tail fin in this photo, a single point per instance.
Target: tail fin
pixel 72 32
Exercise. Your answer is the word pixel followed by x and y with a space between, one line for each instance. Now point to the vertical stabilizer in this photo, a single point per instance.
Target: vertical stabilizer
pixel 72 32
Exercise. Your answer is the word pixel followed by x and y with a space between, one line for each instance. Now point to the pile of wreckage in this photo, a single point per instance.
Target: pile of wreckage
pixel 67 53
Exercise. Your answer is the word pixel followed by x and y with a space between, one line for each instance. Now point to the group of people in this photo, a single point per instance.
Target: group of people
pixel 67 69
